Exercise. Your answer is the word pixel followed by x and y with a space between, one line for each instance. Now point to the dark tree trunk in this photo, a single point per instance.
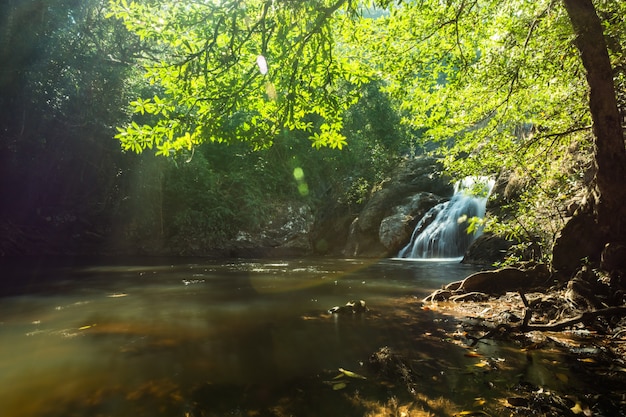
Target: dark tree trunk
pixel 605 218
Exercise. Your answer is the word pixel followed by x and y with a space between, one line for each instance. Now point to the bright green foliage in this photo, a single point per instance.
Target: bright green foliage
pixel 232 70
pixel 497 85
pixel 491 76
pixel 612 13
pixel 500 87
pixel 201 199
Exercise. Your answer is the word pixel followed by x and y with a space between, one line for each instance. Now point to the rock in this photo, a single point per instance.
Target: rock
pixel 396 230
pixel 481 285
pixel 331 228
pixel 487 249
pixel 387 364
pixel 500 281
pixel 357 240
pixel 518 401
pixel 495 282
pixel 285 232
pixel 385 223
pixel 613 257
pixel 351 307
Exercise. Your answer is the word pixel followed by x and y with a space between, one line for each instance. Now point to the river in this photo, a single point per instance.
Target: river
pixel 195 337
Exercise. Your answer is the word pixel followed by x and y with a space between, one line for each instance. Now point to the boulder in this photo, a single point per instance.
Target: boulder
pixel 386 221
pixel 495 282
pixel 396 230
pixel 480 285
pixel 500 281
pixel 284 233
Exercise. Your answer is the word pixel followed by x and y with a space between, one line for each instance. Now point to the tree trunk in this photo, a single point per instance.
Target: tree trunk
pixel 605 219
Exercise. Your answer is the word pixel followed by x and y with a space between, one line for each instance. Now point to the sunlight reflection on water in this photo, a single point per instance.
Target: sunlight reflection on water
pixel 113 339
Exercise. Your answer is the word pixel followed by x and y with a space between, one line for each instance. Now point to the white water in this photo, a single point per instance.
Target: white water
pixel 443 231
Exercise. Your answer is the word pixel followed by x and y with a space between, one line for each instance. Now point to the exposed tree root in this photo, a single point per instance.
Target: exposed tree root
pixel 586 317
pixel 525 326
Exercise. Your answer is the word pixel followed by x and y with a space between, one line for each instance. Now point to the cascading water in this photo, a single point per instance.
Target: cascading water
pixel 443 231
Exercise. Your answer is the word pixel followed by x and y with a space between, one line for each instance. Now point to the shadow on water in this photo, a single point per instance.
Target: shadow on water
pixel 243 338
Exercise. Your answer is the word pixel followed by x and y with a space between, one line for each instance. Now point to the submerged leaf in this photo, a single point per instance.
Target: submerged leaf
pixel 479 402
pixel 351 374
pixel 339 385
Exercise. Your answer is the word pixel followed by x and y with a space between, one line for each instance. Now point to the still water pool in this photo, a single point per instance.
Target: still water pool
pixel 204 338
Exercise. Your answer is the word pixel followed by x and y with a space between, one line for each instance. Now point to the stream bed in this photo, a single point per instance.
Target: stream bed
pixel 195 337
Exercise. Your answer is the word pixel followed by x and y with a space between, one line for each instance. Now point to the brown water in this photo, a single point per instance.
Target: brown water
pixel 207 338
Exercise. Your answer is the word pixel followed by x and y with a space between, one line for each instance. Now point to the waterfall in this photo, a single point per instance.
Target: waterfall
pixel 442 232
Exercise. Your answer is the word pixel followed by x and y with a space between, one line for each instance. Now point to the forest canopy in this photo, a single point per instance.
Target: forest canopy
pixel 493 77
pixel 489 87
pixel 497 85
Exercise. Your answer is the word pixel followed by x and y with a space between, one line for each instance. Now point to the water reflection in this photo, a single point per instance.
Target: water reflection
pixel 187 338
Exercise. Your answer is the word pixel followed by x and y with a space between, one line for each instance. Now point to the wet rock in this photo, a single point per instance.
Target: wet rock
pixel 482 285
pixel 494 282
pixel 518 401
pixel 387 364
pixel 453 286
pixel 396 230
pixel 351 307
pixel 386 221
